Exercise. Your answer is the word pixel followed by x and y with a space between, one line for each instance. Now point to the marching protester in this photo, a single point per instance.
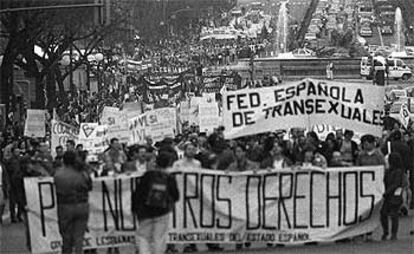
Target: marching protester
pixel 393 181
pixel 154 200
pixel 139 162
pixel 16 190
pixel 72 187
pixel 3 191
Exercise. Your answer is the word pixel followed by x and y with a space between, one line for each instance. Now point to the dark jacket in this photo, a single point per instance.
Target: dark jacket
pixel 141 193
pixel 404 151
pixel 72 185
pixel 393 179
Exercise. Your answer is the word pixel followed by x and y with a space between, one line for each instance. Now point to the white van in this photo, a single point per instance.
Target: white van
pixel 397 69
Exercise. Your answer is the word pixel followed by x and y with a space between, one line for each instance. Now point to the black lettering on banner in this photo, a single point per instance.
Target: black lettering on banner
pixel 311 89
pixel 203 203
pixel 333 107
pixel 290 92
pixel 358 97
pixel 276 109
pixel 283 198
pixel 334 92
pixel 229 100
pixel 240 101
pixel 271 199
pixel 278 95
pixel 248 202
pixel 299 107
pixel 187 197
pixel 174 211
pixel 309 106
pixel 371 197
pixel 345 204
pixel 311 185
pixel 113 207
pixel 288 109
pixel 319 106
pixel 254 100
pixel 329 197
pixel 323 89
pixel 295 198
pixel 133 181
pixel 356 115
pixel 345 112
pixel 43 207
pixel 344 99
pixel 124 227
pixel 225 200
pixel 244 118
pixel 301 87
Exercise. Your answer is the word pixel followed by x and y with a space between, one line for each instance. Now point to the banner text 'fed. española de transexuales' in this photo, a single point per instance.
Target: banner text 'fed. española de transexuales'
pixel 293 206
pixel 304 104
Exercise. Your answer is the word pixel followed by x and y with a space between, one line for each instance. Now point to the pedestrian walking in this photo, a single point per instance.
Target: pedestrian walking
pixel 329 70
pixel 72 186
pixel 393 181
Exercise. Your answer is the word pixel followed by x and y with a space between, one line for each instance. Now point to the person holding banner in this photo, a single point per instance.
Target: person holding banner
pixel 72 187
pixel 188 162
pixel 241 162
pixel 393 181
pixel 276 160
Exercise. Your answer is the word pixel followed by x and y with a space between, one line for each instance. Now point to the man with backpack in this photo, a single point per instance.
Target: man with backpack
pixel 153 200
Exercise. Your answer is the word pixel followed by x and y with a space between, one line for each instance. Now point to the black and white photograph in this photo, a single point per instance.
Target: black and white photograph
pixel 206 126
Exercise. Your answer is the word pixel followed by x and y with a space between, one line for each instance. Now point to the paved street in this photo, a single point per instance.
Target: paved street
pixel 12 240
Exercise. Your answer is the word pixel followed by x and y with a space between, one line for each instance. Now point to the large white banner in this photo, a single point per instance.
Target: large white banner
pixel 306 103
pixel 288 207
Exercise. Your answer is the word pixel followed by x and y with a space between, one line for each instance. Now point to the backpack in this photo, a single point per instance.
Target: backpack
pixel 157 195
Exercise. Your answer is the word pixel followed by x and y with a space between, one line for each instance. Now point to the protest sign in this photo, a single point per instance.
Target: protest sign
pixel 184 113
pixel 132 109
pixel 94 137
pixel 62 132
pixel 35 125
pixel 117 123
pixel 210 116
pixel 404 115
pixel 193 118
pixel 157 124
pixel 304 104
pixel 287 207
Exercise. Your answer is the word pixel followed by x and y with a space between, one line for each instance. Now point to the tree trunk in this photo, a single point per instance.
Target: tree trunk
pixel 40 93
pixel 6 74
pixel 51 90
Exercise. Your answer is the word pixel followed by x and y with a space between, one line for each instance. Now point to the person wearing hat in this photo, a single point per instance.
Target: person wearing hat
pixel 369 156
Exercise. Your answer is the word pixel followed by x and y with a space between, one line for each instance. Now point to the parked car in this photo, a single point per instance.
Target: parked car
pixel 365 31
pixel 397 69
pixel 310 36
pixel 387 29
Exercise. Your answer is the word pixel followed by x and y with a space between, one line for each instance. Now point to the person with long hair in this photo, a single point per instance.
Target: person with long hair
pixel 393 180
pixel 72 186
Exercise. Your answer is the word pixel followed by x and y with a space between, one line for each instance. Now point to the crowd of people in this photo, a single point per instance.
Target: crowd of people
pixel 270 151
